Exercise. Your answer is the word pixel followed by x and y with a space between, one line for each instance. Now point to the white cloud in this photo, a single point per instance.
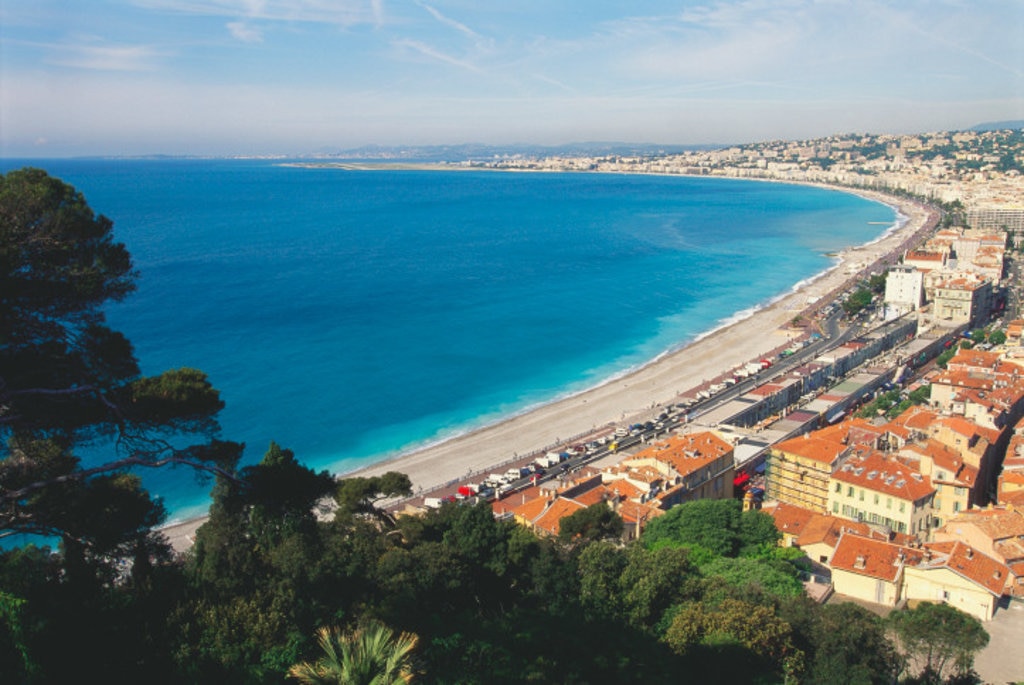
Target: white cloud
pixel 479 40
pixel 434 54
pixel 341 12
pixel 100 57
pixel 245 32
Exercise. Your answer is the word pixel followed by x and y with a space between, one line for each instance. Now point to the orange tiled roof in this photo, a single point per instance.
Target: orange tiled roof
pixel 1016 477
pixel 1010 549
pixel 977 359
pixel 1014 498
pixel 967 428
pixel 531 508
pixel 945 458
pixel 966 562
pixel 825 529
pixel 624 488
pixel 922 256
pixel 873 558
pixel 789 519
pixel 916 418
pixel 594 495
pixel 812 447
pixel 685 453
pixel 996 524
pixel 631 512
pixel 876 473
pixel 551 519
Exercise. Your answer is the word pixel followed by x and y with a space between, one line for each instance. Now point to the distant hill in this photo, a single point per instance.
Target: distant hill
pixel 999 126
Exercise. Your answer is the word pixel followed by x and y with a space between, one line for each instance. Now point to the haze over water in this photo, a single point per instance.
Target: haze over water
pixel 350 315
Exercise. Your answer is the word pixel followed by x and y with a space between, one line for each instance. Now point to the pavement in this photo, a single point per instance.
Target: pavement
pixel 1002 661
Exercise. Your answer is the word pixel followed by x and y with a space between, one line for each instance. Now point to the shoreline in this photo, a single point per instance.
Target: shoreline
pixel 734 340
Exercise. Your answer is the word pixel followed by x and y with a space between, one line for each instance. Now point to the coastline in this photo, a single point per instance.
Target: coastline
pixel 738 338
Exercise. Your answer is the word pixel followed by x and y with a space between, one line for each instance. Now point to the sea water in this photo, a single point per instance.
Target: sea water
pixel 350 315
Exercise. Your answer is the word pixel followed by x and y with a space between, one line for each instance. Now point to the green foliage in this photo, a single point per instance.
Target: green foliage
pixel 857 301
pixel 938 638
pixel 717 526
pixel 978 335
pixel 921 395
pixel 652 581
pixel 359 496
pixel 758 535
pixel 761 576
pixel 739 637
pixel 596 522
pixel 372 655
pixel 58 260
pixel 997 337
pixel 880 404
pixel 877 283
pixel 14 655
pixel 711 524
pixel 67 379
pixel 601 566
pixel 850 648
pixel 946 355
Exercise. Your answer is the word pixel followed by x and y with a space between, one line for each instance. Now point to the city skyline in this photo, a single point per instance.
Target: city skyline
pixel 276 77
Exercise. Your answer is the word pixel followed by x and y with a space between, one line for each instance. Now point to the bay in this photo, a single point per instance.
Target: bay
pixel 350 315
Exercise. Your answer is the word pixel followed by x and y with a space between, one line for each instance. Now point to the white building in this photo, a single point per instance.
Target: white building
pixel 904 290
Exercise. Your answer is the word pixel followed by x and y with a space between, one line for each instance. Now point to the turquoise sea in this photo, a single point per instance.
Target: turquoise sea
pixel 352 315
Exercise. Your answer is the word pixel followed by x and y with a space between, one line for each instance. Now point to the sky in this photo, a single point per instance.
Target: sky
pixel 251 77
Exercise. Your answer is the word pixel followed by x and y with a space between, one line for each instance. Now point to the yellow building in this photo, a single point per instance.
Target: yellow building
pixel 956 574
pixel 799 469
pixel 882 491
pixel 954 480
pixel 871 570
pixel 884 573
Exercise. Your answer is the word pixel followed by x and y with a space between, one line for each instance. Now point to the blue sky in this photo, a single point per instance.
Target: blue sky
pixel 84 77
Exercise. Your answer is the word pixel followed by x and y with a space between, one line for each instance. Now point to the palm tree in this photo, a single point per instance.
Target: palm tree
pixel 371 655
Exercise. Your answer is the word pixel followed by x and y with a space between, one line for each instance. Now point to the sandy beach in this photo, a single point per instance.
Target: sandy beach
pixel 660 383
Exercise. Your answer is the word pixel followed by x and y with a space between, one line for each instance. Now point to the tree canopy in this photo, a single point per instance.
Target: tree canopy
pixel 68 381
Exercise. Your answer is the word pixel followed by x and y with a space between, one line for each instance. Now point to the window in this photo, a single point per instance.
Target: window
pixel 903 507
pixel 888 502
pixel 849 491
pixel 956 506
pixel 839 487
pixel 835 507
pixel 876 498
pixel 862 494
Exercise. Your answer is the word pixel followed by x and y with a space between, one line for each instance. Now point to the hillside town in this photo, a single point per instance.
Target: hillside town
pixel 887 442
